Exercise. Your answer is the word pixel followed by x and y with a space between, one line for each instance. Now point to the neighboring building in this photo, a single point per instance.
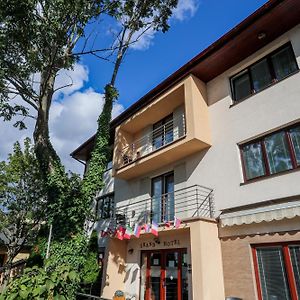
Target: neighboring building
pixel 18 264
pixel 217 145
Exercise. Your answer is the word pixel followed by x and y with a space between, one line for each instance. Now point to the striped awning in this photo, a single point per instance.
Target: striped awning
pixel 264 213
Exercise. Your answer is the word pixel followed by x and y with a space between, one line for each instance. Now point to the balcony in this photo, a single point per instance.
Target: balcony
pixel 191 202
pixel 160 137
pixel 171 127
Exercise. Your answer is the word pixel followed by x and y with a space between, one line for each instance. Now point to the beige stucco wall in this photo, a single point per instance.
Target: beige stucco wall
pixel 207 271
pixel 236 241
pixel 219 167
pixel 200 238
pixel 115 268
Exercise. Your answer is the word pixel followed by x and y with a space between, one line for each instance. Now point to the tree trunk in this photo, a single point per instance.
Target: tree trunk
pixel 45 152
pixel 11 254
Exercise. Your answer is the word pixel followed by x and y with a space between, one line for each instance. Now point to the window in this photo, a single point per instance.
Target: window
pixel 162 201
pixel 274 153
pixel 277 271
pixel 272 68
pixel 105 206
pixel 163 132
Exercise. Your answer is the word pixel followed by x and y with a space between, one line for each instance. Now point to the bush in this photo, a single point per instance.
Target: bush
pixel 39 284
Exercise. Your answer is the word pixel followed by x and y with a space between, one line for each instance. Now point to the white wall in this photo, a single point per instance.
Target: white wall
pixel 219 167
pixel 266 111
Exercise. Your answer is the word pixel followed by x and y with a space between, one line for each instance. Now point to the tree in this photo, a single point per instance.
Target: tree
pixel 136 18
pixel 22 200
pixel 38 38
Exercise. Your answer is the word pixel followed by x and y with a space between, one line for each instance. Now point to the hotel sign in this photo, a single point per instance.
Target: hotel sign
pixel 156 243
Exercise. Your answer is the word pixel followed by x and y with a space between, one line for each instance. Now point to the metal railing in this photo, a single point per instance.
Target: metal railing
pixel 82 296
pixel 156 139
pixel 189 202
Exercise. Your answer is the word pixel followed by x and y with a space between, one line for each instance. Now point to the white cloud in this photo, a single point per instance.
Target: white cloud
pixel 185 9
pixel 72 120
pixel 73 79
pixel 144 42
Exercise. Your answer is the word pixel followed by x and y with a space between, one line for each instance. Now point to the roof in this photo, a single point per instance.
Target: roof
pixel 237 44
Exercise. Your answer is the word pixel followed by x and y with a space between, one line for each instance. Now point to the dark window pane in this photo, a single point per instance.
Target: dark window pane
pixel 157 191
pixel 157 141
pixel 162 132
pixel 278 154
pixel 171 281
pixel 295 137
pixel 253 160
pixel 168 130
pixel 261 75
pixel 272 274
pixel 155 275
pixel 105 206
pixel 184 278
pixel 295 257
pixel 241 86
pixel 284 62
pixel 2 259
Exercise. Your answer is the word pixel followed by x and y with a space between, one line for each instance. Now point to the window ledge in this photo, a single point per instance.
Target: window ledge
pixel 269 176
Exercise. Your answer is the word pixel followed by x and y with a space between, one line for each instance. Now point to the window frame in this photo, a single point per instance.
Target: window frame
pixel 162 178
pixel 287 264
pixel 260 140
pixel 112 205
pixel 274 80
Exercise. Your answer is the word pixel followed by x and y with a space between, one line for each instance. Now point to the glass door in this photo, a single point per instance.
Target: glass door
pixel 164 275
pixel 163 206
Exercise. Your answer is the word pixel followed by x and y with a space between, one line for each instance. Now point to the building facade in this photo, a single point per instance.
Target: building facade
pixel 217 146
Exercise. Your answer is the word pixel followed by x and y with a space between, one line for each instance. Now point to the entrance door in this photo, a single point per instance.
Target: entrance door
pixel 165 275
pixel 163 208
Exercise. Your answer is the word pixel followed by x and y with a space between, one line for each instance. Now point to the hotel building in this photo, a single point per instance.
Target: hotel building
pixel 217 145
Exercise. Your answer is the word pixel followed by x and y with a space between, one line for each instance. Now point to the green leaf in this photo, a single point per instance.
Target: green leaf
pixel 24 294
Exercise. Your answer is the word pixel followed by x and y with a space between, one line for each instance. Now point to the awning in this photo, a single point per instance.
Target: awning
pixel 264 213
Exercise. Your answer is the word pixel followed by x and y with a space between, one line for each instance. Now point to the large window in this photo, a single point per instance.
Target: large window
pixel 274 153
pixel 277 270
pixel 271 69
pixel 105 206
pixel 163 132
pixel 162 201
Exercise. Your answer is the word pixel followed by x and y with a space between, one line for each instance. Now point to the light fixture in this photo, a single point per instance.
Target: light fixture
pixel 130 251
pixel 262 35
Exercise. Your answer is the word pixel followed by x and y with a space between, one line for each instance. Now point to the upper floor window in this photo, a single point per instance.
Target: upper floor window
pixel 162 132
pixel 274 153
pixel 105 206
pixel 267 71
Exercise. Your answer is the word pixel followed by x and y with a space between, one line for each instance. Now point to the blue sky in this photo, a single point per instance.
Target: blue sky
pixel 144 69
pixel 194 26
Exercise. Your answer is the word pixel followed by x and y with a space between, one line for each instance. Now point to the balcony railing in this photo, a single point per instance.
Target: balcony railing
pixel 193 201
pixel 156 139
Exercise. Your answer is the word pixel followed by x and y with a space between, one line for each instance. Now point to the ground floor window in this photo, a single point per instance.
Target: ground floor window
pixel 277 271
pixel 164 275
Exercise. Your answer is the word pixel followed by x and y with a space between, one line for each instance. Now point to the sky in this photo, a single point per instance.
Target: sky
pixel 195 24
